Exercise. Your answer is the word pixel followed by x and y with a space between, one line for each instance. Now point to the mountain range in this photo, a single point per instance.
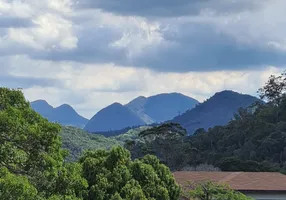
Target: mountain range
pixel 172 107
pixel 63 114
pixel 161 107
pixel 140 111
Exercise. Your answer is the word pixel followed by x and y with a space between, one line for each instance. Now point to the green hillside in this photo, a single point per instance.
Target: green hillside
pixel 255 140
pixel 76 140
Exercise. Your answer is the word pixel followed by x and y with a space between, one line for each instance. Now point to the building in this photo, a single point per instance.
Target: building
pixel 258 185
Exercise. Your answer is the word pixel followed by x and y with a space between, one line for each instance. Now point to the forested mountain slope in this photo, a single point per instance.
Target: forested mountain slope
pixel 217 110
pixel 255 140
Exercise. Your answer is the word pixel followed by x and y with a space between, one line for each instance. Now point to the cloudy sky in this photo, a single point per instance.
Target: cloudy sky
pixel 91 53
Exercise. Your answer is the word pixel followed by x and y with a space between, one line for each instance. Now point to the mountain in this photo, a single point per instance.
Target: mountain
pixel 63 114
pixel 140 111
pixel 137 106
pixel 113 117
pixel 161 107
pixel 218 110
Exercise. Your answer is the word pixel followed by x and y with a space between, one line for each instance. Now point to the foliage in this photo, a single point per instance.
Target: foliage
pixel 32 165
pixel 113 175
pixel 15 187
pixel 274 89
pixel 201 167
pixel 159 141
pixel 210 191
pixel 76 140
pixel 254 140
pixel 31 158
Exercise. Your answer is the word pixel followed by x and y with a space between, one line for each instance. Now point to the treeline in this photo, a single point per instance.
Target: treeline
pixel 254 141
pixel 33 167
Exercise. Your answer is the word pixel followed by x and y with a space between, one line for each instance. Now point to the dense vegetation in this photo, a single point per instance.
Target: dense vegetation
pixel 217 110
pixel 76 140
pixel 32 165
pixel 255 140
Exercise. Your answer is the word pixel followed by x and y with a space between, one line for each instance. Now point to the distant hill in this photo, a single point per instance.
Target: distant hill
pixel 140 111
pixel 218 110
pixel 161 107
pixel 63 114
pixel 77 140
pixel 113 117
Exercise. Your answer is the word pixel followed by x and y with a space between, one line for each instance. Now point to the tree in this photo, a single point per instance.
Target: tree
pixel 274 89
pixel 158 141
pixel 113 175
pixel 32 163
pixel 211 191
pixel 14 187
pixel 30 151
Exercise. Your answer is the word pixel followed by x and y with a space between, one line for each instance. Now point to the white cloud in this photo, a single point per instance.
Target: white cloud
pixel 51 32
pixel 122 57
pixel 91 87
pixel 264 27
pixel 15 8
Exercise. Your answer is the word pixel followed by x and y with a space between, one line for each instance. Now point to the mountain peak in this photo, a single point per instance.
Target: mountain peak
pixel 113 117
pixel 137 100
pixel 116 104
pixel 65 107
pixel 63 114
pixel 227 92
pixel 40 101
pixel 217 110
pixel 41 106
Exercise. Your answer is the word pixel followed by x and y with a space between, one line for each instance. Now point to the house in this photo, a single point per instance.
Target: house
pixel 258 185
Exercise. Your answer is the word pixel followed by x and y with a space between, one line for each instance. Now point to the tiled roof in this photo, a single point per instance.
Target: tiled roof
pixel 241 181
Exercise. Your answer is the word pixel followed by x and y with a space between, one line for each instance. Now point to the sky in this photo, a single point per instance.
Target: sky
pixel 91 53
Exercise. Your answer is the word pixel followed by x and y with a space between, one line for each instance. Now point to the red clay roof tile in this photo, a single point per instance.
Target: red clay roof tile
pixel 241 181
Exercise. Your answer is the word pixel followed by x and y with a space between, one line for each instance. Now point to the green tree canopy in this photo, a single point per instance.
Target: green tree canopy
pixel 274 89
pixel 113 175
pixel 15 187
pixel 30 152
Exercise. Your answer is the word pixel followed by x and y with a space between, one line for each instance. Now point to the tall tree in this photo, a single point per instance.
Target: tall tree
pixel 274 89
pixel 30 146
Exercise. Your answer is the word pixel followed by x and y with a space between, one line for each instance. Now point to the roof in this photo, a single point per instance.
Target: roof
pixel 240 181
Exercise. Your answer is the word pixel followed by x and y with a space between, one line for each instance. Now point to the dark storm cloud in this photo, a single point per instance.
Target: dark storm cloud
pixel 193 47
pixel 200 48
pixel 93 47
pixel 16 22
pixel 168 8
pixel 26 82
pixel 186 46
